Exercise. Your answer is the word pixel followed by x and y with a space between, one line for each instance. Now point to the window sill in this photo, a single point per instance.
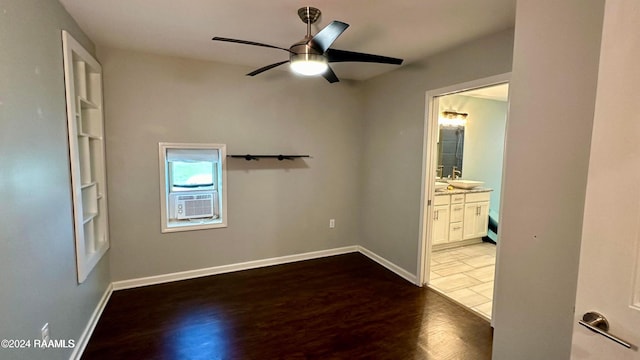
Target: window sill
pixel 195 224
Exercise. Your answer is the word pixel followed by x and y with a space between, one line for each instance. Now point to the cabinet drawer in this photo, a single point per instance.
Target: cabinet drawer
pixel 475 197
pixel 457 212
pixel 441 200
pixel 457 198
pixel 455 231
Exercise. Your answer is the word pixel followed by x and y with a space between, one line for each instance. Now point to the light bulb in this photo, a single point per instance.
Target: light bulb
pixel 308 64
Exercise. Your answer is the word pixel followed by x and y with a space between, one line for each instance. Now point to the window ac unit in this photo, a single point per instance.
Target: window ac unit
pixel 194 206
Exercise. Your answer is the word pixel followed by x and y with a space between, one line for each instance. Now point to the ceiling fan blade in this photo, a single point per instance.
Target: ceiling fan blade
pixel 268 67
pixel 248 43
pixel 335 55
pixel 330 76
pixel 323 39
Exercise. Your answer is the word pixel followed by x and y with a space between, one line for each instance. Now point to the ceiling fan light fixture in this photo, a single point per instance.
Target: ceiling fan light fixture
pixel 309 64
pixel 311 55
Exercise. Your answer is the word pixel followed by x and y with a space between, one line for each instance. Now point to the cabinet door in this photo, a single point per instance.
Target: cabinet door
pixel 440 232
pixel 476 219
pixel 482 223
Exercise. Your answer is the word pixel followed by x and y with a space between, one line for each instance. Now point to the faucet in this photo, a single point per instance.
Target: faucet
pixel 455 173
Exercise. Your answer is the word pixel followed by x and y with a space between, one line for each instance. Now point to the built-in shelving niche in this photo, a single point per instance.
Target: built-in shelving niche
pixel 83 83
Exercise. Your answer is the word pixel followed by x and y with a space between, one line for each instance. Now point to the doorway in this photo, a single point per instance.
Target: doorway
pixel 462 177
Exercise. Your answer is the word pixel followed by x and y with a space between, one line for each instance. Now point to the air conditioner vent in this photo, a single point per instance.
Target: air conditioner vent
pixel 194 206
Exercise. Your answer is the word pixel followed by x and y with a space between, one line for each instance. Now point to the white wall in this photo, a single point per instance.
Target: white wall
pixel 483 140
pixel 274 208
pixel 38 282
pixel 552 95
pixel 393 140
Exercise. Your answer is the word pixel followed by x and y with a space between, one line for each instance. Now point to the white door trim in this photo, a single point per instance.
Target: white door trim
pixel 429 166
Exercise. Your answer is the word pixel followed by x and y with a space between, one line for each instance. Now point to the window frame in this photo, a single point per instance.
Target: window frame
pixel 168 225
pixel 172 185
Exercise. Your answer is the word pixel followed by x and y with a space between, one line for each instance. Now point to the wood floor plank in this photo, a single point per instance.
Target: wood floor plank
pixel 340 307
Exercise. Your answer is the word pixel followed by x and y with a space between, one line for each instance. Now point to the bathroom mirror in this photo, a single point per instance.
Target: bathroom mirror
pixel 450 149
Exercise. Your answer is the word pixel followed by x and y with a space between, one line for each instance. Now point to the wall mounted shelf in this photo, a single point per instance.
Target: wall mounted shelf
pixel 280 157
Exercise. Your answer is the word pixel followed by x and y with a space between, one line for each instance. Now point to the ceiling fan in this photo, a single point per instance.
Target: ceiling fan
pixel 312 55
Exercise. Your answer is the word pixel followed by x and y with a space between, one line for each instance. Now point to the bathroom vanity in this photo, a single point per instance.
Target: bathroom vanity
pixel 460 217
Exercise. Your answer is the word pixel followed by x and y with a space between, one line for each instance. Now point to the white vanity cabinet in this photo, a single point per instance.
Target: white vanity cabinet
pixel 440 234
pixel 459 218
pixel 456 218
pixel 476 215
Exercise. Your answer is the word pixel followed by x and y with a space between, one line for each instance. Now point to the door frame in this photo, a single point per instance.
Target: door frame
pixel 429 149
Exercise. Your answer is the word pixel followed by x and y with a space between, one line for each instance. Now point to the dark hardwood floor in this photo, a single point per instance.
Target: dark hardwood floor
pixel 340 307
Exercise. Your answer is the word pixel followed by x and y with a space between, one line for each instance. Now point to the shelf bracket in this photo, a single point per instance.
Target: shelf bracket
pixel 280 157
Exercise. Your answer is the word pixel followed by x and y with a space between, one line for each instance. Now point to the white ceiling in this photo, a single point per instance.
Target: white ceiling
pixel 496 92
pixel 408 29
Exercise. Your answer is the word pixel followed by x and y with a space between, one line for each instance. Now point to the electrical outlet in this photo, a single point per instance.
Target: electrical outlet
pixel 45 332
pixel 332 223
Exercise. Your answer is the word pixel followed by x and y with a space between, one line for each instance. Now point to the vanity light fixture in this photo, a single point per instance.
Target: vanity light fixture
pixel 454 114
pixel 453 118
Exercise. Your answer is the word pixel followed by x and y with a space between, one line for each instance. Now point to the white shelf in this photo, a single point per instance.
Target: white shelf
pixel 84 186
pixel 90 136
pixel 83 84
pixel 88 217
pixel 87 104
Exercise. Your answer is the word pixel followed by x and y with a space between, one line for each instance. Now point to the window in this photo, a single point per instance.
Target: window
pixel 193 192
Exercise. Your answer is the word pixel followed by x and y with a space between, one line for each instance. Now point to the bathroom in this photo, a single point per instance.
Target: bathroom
pixel 470 146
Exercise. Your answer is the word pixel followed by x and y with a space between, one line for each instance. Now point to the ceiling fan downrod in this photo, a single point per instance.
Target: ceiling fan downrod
pixel 309 15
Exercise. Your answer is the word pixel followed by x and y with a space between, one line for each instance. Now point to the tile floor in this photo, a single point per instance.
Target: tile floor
pixel 465 274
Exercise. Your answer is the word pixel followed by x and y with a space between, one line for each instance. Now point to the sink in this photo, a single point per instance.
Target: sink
pixel 441 185
pixel 465 184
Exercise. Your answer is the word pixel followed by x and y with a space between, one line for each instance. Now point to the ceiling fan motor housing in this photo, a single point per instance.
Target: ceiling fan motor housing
pixel 303 48
pixel 306 60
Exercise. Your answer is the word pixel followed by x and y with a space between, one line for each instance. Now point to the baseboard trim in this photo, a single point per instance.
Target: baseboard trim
pixel 192 274
pixel 82 342
pixel 216 270
pixel 455 244
pixel 389 265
